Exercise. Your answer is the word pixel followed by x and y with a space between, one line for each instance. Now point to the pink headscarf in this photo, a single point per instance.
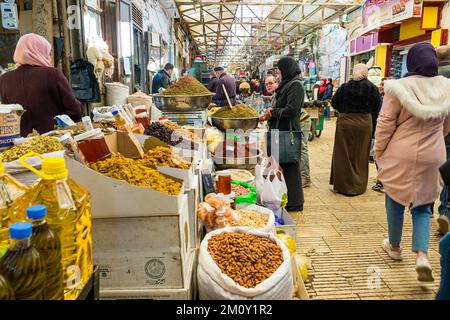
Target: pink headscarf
pixel 33 50
pixel 360 71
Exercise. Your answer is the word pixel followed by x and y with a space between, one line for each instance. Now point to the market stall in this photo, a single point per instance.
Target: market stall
pixel 152 204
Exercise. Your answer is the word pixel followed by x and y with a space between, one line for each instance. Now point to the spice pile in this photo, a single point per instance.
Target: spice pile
pixel 249 218
pixel 40 144
pixel 169 136
pixel 245 258
pixel 186 86
pixel 164 157
pixel 238 111
pixel 135 173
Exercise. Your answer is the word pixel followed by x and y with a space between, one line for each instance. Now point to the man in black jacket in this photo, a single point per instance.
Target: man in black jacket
pixel 162 78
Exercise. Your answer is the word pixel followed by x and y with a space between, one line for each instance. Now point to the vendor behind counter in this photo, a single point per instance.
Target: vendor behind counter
pixel 43 91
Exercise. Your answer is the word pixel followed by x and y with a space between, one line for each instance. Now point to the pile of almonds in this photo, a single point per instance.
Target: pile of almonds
pixel 245 258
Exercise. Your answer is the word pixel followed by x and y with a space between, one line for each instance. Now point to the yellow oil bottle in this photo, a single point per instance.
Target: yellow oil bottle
pixel 69 215
pixel 6 291
pixel 49 246
pixel 11 193
pixel 22 265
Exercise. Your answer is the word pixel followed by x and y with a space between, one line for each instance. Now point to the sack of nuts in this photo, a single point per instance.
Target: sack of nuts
pixel 242 263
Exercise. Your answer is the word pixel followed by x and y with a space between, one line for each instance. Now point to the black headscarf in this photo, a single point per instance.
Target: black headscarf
pixel 289 70
pixel 422 60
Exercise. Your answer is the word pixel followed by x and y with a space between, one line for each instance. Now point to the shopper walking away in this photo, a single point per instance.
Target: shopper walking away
pixel 230 85
pixel 443 54
pixel 355 101
pixel 162 78
pixel 444 247
pixel 43 91
pixel 409 149
pixel 284 115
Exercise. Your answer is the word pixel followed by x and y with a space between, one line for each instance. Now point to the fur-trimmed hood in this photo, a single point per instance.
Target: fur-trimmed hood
pixel 426 98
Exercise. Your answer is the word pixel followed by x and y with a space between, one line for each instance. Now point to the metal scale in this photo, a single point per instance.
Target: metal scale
pixel 196 119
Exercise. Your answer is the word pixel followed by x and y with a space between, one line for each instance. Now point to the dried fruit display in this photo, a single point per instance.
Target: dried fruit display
pixel 40 144
pixel 164 157
pixel 135 173
pixel 245 258
pixel 216 211
pixel 169 136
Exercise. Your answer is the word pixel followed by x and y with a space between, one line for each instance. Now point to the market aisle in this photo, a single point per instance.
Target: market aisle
pixel 343 236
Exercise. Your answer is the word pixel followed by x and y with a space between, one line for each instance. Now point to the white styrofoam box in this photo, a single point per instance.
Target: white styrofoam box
pixel 290 226
pixel 187 175
pixel 188 292
pixel 142 252
pixel 112 198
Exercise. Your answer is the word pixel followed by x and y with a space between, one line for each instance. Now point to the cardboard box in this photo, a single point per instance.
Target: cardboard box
pixel 188 292
pixel 125 143
pixel 144 252
pixel 112 198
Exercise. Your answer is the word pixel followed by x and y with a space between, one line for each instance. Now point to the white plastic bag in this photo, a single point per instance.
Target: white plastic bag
pixel 271 186
pixel 214 285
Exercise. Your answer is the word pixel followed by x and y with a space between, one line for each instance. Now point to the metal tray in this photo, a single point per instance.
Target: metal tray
pixel 182 103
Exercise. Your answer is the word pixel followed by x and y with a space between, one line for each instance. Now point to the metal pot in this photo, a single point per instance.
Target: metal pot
pixel 225 124
pixel 182 103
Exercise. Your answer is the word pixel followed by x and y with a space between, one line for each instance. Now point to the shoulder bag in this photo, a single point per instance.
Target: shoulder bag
pixel 285 146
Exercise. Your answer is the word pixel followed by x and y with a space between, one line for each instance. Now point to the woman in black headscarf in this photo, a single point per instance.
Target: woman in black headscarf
pixel 286 109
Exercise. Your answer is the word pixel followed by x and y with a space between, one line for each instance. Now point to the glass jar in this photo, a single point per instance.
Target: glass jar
pixel 92 145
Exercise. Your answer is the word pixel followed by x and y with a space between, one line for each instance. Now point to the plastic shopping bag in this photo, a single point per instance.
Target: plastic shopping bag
pixel 271 187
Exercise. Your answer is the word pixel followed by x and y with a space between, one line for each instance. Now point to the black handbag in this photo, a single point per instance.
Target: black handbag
pixel 285 146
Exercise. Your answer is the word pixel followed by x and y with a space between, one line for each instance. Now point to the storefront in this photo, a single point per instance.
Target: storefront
pixel 398 25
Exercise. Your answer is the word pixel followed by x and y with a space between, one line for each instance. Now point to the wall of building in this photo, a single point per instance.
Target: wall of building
pixel 445 22
pixel 332 46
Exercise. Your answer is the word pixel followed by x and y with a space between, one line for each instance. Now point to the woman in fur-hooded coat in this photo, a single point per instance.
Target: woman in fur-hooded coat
pixel 409 141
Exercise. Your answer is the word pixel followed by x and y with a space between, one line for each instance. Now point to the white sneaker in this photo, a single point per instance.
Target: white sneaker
pixel 394 254
pixel 444 223
pixel 424 270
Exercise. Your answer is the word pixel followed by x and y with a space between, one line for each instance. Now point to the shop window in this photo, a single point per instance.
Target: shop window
pixel 92 24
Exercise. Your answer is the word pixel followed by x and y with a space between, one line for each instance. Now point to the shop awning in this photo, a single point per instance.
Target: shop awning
pixel 240 31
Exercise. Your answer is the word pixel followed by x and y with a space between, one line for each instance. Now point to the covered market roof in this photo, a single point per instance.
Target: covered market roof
pixel 238 31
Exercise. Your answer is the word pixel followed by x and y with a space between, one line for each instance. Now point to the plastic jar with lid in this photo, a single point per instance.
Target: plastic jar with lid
pixel 92 145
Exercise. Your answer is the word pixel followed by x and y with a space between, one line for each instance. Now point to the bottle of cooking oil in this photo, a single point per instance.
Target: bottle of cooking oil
pixel 22 265
pixel 69 215
pixel 6 291
pixel 46 241
pixel 11 192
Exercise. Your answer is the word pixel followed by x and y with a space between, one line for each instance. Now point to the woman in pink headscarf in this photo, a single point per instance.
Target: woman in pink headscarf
pixel 42 90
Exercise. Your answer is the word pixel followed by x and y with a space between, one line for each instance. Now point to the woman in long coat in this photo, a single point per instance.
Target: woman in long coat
pixel 410 148
pixel 355 101
pixel 286 109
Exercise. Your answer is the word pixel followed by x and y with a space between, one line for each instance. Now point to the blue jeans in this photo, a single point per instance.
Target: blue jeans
pixel 444 250
pixel 421 217
pixel 443 198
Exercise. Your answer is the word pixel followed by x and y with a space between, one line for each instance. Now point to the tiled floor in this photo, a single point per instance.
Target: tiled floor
pixel 342 235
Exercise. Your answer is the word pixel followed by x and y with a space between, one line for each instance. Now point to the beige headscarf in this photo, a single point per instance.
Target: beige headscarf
pixel 360 72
